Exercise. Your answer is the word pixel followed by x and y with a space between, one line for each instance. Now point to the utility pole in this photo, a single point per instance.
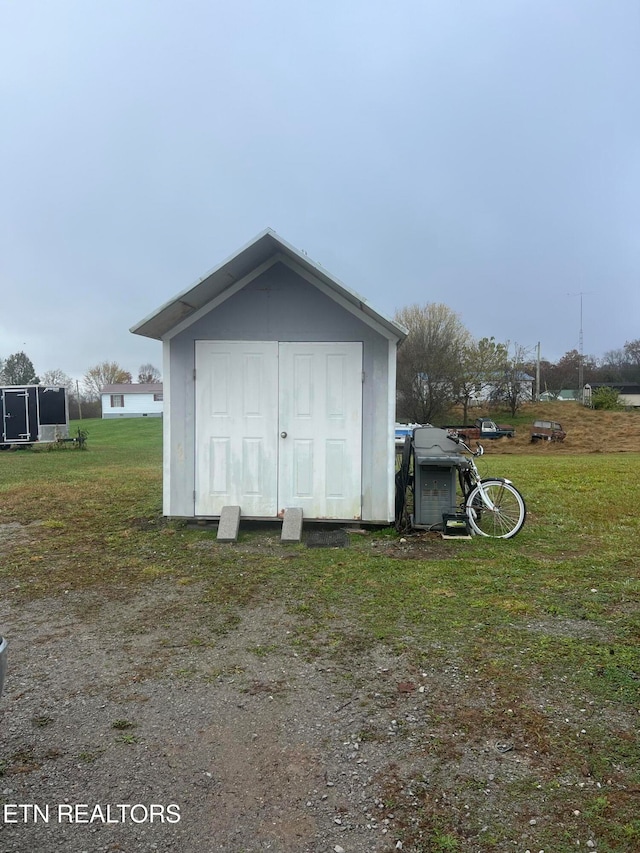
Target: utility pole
pixel 79 403
pixel 538 374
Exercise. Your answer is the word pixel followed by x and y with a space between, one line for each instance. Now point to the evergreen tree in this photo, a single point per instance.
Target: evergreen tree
pixel 18 370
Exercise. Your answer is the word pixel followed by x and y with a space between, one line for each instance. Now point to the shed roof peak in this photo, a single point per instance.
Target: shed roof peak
pixel 266 246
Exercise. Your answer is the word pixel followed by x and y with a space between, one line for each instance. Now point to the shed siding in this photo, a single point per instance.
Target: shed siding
pixel 280 305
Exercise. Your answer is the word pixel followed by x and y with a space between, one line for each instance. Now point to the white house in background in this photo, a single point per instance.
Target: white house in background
pixel 132 401
pixel 281 387
pixel 488 391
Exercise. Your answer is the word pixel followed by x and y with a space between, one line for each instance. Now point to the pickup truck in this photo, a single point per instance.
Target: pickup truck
pixel 482 428
pixel 547 431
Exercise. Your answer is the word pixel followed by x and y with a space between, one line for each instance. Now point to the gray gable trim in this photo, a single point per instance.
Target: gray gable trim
pixel 231 275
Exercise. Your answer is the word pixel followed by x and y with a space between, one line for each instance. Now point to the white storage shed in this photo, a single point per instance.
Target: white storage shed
pixel 279 392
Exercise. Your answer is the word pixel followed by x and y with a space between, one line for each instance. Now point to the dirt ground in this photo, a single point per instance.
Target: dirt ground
pixel 114 702
pixel 139 722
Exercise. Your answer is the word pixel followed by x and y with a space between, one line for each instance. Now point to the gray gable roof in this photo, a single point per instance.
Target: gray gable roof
pixel 265 248
pixel 132 388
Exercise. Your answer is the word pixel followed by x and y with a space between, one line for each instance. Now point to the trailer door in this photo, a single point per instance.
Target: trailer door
pixel 15 421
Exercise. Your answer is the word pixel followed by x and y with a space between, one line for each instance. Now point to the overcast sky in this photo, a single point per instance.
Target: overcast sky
pixel 480 153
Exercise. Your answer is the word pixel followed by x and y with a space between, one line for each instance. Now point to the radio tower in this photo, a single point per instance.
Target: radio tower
pixel 580 350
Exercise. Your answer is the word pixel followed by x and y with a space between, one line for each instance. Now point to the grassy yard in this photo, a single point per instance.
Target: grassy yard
pixel 543 629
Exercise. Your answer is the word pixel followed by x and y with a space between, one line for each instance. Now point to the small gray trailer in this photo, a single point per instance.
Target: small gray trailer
pixel 32 413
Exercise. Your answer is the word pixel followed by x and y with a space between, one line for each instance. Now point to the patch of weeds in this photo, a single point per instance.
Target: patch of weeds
pixel 597 807
pixel 224 672
pixel 24 761
pixel 88 756
pixel 186 672
pixel 263 651
pixel 614 681
pixel 122 725
pixel 370 734
pixel 127 738
pixel 443 842
pixel 610 817
pixel 612 752
pixel 607 671
pixel 152 572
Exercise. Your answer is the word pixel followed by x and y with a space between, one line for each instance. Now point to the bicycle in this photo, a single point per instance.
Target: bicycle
pixel 493 506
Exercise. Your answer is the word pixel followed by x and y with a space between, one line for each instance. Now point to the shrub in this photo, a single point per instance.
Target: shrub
pixel 606 398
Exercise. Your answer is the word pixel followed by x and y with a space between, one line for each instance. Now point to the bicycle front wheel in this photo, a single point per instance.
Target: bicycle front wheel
pixel 503 517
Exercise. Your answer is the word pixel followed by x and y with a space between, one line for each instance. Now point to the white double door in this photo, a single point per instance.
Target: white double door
pixel 279 425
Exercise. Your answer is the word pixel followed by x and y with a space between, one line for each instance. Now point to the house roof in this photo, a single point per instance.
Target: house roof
pixel 621 387
pixel 267 246
pixel 133 388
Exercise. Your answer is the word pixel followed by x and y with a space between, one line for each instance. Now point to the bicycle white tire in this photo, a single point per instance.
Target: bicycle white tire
pixel 508 515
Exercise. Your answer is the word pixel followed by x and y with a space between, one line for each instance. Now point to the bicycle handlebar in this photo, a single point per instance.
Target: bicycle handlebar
pixel 456 438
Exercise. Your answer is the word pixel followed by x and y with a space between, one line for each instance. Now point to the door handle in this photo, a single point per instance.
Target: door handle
pixel 283 435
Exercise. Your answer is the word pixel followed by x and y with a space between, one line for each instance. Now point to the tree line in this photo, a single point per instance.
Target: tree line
pixel 439 365
pixel 83 395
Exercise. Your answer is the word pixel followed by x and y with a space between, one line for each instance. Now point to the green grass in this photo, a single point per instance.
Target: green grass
pixel 547 623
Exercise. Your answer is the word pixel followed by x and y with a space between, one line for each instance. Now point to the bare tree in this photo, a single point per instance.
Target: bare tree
pixel 148 374
pixel 513 388
pixel 106 373
pixel 550 377
pixel 632 352
pixel 59 379
pixel 482 362
pixel 429 361
pixel 614 358
pixel 569 368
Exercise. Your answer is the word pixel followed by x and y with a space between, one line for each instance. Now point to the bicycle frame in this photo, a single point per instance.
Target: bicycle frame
pixel 505 512
pixel 469 477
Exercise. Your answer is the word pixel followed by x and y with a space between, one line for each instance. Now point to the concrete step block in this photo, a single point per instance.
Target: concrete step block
pixel 292 525
pixel 229 524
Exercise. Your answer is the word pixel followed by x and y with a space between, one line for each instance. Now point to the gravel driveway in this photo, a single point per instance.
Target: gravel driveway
pixel 138 723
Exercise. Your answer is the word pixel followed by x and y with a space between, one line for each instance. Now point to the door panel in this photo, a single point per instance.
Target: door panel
pixel 236 427
pixel 16 416
pixel 277 426
pixel 320 428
